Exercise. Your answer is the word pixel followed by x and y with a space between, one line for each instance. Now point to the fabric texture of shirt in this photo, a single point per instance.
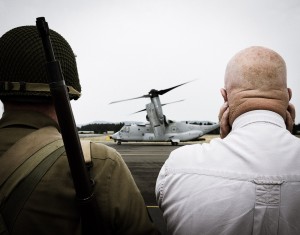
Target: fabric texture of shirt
pixel 51 208
pixel 247 183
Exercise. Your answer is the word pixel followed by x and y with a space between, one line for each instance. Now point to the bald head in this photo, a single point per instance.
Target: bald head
pixel 255 78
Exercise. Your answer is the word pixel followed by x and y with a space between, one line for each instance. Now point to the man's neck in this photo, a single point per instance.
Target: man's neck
pixel 47 109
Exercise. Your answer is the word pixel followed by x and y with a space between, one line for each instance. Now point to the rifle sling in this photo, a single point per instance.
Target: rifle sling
pixel 21 193
pixel 18 182
pixel 19 161
pixel 23 149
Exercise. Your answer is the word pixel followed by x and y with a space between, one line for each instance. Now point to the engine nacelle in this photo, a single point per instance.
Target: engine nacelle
pixel 158 127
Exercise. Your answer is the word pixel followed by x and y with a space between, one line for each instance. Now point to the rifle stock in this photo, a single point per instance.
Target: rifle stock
pixel 89 209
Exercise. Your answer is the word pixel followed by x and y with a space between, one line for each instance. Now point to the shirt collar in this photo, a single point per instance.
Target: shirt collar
pixel 30 119
pixel 258 116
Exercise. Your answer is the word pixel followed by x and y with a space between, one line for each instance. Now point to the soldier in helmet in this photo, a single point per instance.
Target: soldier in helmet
pixel 29 131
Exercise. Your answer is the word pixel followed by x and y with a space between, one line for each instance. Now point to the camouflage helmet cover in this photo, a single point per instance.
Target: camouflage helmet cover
pixel 23 64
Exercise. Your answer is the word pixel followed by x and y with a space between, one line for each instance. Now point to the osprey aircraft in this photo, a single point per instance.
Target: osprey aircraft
pixel 159 128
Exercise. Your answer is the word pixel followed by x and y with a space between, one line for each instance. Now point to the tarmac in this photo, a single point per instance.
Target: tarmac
pixel 145 159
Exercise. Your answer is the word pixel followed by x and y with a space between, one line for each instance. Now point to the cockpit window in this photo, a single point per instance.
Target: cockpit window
pixel 125 129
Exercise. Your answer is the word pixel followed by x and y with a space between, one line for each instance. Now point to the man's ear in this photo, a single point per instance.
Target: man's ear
pixel 224 94
pixel 290 93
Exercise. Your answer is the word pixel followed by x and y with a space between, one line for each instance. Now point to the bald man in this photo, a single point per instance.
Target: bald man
pixel 247 181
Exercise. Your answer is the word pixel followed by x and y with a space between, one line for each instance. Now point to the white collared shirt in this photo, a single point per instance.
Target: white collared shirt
pixel 247 183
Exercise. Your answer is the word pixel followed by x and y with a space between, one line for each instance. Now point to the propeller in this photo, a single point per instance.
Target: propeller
pixel 161 105
pixel 153 93
pixel 162 92
pixel 144 96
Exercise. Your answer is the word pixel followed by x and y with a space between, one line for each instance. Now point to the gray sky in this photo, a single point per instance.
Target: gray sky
pixel 125 48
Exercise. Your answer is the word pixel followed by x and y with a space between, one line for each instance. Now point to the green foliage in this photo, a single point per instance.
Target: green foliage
pixel 100 128
pixel 296 129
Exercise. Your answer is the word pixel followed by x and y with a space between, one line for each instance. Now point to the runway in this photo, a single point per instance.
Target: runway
pixel 145 161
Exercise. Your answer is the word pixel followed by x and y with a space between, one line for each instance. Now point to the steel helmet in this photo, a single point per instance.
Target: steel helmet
pixel 23 73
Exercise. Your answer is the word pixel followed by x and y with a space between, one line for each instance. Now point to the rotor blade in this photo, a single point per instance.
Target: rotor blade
pixel 161 105
pixel 144 96
pixel 161 92
pixel 140 111
pixel 172 102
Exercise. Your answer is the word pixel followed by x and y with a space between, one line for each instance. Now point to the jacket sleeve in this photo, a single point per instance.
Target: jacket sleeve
pixel 121 203
pixel 159 187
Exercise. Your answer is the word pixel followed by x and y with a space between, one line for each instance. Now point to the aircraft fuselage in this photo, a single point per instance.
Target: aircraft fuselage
pixel 175 132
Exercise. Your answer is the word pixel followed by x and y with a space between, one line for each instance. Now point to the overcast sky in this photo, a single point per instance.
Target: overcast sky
pixel 125 48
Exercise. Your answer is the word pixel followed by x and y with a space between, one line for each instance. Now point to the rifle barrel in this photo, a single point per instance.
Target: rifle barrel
pixel 89 209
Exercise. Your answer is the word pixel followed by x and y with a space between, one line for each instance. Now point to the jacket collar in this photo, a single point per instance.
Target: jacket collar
pixel 28 119
pixel 255 116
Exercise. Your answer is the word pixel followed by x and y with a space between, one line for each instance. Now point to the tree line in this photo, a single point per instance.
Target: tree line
pixel 100 128
pixel 296 129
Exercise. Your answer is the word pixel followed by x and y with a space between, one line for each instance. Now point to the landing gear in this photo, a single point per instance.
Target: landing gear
pixel 119 143
pixel 174 143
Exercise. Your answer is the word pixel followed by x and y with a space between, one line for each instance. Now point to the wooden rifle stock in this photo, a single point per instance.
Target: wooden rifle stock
pixel 89 209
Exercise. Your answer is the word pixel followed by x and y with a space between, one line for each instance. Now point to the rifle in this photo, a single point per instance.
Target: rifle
pixel 89 209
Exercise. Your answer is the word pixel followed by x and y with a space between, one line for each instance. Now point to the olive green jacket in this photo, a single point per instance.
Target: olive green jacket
pixel 51 208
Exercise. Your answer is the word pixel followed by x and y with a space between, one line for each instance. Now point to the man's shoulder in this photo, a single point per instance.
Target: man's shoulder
pixel 185 154
pixel 104 152
pixel 195 155
pixel 196 150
